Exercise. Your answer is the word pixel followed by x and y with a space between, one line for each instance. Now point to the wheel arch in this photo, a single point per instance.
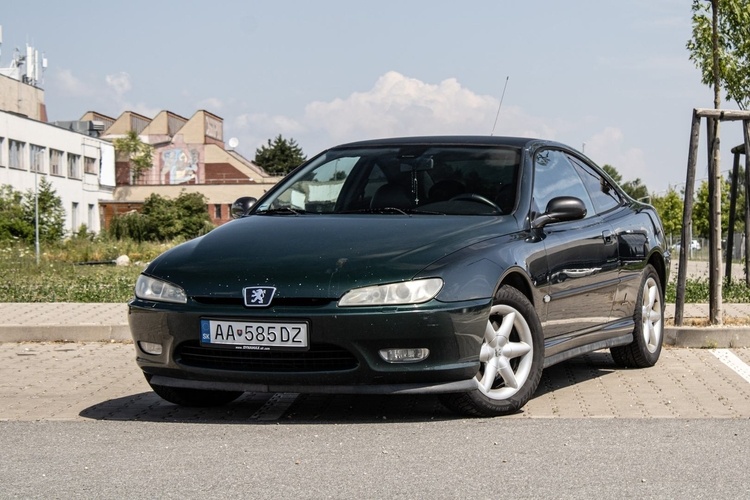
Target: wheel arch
pixel 658 263
pixel 520 282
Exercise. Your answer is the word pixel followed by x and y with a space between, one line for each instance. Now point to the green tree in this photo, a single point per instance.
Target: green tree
pixel 635 189
pixel 613 173
pixel 733 44
pixel 138 154
pixel 13 223
pixel 280 156
pixel 739 220
pixel 51 211
pixel 670 207
pixel 701 213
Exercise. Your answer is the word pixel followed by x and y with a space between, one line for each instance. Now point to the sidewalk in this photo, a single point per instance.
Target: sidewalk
pixel 80 322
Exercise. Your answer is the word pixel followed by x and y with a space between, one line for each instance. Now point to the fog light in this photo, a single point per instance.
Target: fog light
pixel 404 355
pixel 150 348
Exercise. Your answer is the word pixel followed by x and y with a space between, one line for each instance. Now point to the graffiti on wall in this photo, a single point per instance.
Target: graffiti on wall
pixel 180 164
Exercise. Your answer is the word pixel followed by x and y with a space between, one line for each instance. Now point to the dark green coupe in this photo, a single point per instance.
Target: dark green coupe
pixel 460 266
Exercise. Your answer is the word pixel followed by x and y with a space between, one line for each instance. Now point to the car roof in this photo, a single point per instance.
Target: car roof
pixel 456 140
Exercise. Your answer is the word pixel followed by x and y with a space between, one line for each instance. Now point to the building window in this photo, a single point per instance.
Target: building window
pixel 90 165
pixel 2 151
pixel 37 154
pixel 74 217
pixel 74 166
pixel 55 162
pixel 217 211
pixel 15 154
pixel 91 216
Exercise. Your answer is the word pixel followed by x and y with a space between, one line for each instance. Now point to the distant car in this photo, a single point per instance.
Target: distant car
pixel 694 245
pixel 460 266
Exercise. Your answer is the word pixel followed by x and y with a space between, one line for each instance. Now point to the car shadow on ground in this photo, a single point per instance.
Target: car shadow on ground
pixel 588 366
pixel 279 408
pixel 283 408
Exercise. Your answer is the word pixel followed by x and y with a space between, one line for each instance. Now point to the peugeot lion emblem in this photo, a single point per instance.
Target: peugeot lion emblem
pixel 258 296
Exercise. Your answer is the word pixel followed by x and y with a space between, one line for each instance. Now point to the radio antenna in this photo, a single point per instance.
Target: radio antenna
pixel 499 106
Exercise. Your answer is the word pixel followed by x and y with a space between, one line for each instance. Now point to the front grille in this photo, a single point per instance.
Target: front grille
pixel 319 358
pixel 277 302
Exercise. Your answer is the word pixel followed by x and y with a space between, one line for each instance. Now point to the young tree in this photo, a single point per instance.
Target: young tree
pixel 733 44
pixel 138 154
pixel 670 208
pixel 280 156
pixel 701 213
pixel 51 212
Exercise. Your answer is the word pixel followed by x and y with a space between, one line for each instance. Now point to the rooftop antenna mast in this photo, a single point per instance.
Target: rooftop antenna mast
pixel 500 105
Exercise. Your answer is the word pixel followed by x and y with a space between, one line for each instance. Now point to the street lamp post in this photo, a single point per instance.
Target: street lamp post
pixel 36 207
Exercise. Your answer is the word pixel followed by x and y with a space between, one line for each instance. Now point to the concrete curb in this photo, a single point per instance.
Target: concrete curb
pixel 65 333
pixel 711 337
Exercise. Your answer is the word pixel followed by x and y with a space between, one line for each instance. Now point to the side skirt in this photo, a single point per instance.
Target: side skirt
pixel 577 351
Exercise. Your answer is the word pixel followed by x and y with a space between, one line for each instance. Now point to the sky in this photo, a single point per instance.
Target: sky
pixel 611 78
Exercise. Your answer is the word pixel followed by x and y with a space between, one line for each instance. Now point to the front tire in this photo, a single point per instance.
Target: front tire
pixel 197 398
pixel 511 359
pixel 648 333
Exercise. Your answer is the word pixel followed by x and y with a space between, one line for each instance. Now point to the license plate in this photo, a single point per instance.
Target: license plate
pixel 256 335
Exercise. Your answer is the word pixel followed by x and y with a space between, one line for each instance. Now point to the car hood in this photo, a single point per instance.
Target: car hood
pixel 318 256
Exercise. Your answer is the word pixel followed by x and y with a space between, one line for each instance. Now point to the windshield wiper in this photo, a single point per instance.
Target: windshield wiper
pixel 281 211
pixel 392 210
pixel 381 210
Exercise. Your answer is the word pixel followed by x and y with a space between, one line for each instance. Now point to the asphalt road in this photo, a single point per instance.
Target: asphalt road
pixel 514 458
pixel 79 421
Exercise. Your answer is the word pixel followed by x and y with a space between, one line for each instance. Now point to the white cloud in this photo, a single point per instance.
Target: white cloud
pixel 119 83
pixel 110 98
pixel 399 105
pixel 69 84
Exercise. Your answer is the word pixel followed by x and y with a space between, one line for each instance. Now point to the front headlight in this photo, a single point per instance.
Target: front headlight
pixel 148 288
pixel 406 292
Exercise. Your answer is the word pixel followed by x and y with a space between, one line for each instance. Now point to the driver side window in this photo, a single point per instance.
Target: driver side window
pixel 555 176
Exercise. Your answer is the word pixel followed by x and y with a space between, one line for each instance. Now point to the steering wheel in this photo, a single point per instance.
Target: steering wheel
pixel 477 198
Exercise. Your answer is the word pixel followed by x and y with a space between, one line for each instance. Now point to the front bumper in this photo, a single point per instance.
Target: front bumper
pixel 451 331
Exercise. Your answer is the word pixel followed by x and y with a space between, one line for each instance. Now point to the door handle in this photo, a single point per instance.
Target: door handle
pixel 608 237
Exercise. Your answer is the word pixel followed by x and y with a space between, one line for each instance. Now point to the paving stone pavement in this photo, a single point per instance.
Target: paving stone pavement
pixel 100 381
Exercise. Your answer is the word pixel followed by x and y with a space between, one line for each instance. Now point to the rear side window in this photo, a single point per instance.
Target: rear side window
pixel 603 195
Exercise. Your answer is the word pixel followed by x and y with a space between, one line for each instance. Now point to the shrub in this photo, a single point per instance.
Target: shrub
pixel 162 219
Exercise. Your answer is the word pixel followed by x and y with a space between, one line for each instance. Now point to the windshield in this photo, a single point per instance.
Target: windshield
pixel 460 180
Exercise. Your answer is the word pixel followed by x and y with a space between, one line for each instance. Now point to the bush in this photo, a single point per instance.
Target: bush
pixel 698 291
pixel 162 219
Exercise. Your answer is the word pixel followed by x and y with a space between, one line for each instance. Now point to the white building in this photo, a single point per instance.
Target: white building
pixel 79 166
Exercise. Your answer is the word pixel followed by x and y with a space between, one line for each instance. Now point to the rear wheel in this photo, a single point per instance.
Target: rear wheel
pixel 511 359
pixel 648 333
pixel 199 398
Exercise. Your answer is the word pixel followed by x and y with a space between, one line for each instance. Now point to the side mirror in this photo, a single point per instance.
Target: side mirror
pixel 242 206
pixel 559 209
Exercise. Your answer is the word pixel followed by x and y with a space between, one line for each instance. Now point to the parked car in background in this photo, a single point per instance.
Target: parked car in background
pixel 459 266
pixel 694 245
